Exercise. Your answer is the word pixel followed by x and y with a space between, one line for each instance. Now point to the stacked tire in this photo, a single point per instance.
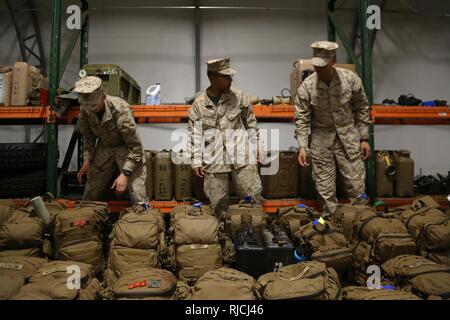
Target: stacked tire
pixel 22 169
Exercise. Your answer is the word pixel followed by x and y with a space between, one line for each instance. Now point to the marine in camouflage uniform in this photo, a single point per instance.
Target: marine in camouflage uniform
pixel 337 115
pixel 111 144
pixel 228 125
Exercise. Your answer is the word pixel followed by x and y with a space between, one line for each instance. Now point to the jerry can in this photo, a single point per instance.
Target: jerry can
pixel 163 181
pixel 283 184
pixel 183 176
pixel 404 174
pixel 385 171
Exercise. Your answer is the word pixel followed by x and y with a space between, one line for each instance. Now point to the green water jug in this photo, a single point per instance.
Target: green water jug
pixel 404 174
pixel 385 171
pixel 163 177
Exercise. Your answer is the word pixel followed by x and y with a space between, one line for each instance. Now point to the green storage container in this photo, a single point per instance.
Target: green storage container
pixel 163 176
pixel 183 176
pixel 283 184
pixel 150 155
pixel 116 82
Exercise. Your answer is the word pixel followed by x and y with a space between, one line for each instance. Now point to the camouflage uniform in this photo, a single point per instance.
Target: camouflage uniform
pixel 233 111
pixel 338 116
pixel 110 144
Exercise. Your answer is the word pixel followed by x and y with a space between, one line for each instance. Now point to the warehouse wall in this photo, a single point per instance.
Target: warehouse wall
pixel 157 45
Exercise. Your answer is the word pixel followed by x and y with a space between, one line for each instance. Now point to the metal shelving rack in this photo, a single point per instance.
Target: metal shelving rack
pixel 178 113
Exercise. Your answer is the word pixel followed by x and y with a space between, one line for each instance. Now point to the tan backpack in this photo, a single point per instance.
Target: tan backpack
pixel 137 241
pixel 245 212
pixel 15 272
pixel 292 218
pixel 21 231
pixel 145 283
pixel 345 217
pixel 224 284
pixel 196 208
pixel 310 280
pixel 419 275
pixel 386 234
pixel 195 239
pixel 297 74
pixel 325 243
pixel 364 293
pixel 78 234
pixel 428 225
pixel 50 282
pixel 380 238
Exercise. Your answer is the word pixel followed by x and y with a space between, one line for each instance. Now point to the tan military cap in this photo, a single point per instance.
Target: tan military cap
pixel 87 84
pixel 90 90
pixel 323 52
pixel 220 66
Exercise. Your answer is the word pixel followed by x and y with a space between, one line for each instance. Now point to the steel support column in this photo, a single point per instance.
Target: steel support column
pixel 366 55
pixel 52 129
pixel 197 45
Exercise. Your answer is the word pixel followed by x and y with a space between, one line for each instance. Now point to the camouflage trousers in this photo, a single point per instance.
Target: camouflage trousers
pixel 217 189
pixel 104 169
pixel 324 171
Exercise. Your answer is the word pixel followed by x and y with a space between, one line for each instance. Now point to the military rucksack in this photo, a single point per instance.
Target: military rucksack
pixel 137 241
pixel 195 208
pixel 245 212
pixel 52 282
pixel 195 239
pixel 292 218
pixel 428 225
pixel 145 283
pixel 326 243
pixel 380 238
pixel 21 232
pixel 15 272
pixel 78 234
pixel 309 280
pixel 364 293
pixel 345 217
pixel 419 275
pixel 224 284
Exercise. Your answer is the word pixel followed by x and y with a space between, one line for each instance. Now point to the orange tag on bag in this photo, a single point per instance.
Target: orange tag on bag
pixel 79 223
pixel 140 284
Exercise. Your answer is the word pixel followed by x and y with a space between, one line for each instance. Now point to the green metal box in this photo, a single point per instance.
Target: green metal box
pixel 116 82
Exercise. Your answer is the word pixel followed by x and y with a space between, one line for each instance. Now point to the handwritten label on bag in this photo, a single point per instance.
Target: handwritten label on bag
pixel 12 266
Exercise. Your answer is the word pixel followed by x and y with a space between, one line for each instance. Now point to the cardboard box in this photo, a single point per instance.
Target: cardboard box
pixel 25 78
pixel 6 76
pixel 43 91
pixel 298 69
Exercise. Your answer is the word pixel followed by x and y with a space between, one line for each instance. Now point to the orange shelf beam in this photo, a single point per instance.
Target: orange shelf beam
pixel 410 115
pixel 24 112
pixel 178 113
